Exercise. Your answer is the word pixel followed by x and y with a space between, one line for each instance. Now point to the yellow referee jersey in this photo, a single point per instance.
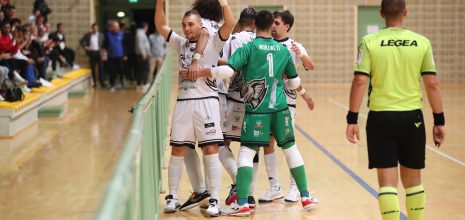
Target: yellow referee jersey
pixel 395 59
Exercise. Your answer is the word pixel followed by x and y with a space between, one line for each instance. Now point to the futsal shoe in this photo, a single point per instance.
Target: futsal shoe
pixel 172 204
pixel 293 195
pixel 194 200
pixel 213 209
pixel 252 204
pixel 237 210
pixel 273 193
pixel 232 196
pixel 204 203
pixel 309 203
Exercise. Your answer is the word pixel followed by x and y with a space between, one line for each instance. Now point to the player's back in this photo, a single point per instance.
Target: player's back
pixel 263 75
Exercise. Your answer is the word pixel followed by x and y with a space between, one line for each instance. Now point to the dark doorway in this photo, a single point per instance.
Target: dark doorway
pixel 144 15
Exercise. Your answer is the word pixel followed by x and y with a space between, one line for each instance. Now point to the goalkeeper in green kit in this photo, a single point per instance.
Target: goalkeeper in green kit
pixel 263 62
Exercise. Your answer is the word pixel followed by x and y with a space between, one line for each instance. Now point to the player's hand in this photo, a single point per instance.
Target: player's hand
pixel 296 49
pixel 352 133
pixel 439 133
pixel 183 74
pixel 309 101
pixel 194 69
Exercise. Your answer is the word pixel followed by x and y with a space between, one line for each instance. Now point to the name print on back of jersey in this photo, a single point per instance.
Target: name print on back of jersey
pixel 254 92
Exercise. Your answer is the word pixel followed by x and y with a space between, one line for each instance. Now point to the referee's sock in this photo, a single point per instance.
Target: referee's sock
pixel 389 203
pixel 415 202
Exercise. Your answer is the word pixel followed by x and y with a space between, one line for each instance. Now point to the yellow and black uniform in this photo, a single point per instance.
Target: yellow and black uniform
pixel 395 59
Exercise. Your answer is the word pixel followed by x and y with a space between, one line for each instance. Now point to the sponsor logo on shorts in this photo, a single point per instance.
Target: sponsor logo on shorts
pixel 258 125
pixel 256 133
pixel 286 120
pixel 288 131
pixel 418 124
pixel 235 128
pixel 210 125
pixel 237 118
pixel 211 132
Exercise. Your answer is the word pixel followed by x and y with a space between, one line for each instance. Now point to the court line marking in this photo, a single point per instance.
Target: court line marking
pixel 447 156
pixel 341 165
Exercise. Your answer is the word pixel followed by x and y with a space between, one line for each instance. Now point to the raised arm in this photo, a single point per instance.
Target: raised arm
pixel 229 23
pixel 160 20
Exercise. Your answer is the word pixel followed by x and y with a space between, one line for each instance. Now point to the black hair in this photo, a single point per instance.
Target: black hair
pixel 264 20
pixel 59 25
pixel 3 23
pixel 192 12
pixel 209 9
pixel 94 24
pixel 393 8
pixel 247 17
pixel 286 17
pixel 142 24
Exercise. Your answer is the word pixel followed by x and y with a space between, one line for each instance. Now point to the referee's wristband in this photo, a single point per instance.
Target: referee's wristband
pixel 439 119
pixel 352 117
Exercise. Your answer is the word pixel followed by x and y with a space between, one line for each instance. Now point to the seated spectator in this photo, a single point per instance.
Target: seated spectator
pixel 59 39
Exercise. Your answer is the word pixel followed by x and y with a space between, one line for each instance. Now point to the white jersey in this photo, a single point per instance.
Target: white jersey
pixel 291 95
pixel 236 41
pixel 203 87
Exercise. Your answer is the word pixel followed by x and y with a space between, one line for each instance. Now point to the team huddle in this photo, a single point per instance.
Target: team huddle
pixel 234 85
pixel 238 82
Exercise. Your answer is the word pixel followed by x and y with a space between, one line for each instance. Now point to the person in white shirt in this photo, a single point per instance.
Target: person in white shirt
pixel 93 43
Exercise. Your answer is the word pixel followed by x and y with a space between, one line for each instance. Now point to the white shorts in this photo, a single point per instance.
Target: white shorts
pixel 196 120
pixel 235 116
pixel 223 113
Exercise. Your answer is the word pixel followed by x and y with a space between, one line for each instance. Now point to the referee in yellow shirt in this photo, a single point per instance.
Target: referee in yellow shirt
pixel 393 60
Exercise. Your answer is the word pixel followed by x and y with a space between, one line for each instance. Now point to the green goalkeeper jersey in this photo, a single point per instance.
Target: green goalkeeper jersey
pixel 263 62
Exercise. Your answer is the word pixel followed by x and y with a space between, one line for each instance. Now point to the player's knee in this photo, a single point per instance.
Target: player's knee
pixel 293 157
pixel 268 149
pixel 210 149
pixel 410 177
pixel 245 158
pixel 178 151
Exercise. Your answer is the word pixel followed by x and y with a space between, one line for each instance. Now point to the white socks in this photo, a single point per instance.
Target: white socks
pixel 213 168
pixel 272 169
pixel 174 174
pixel 228 161
pixel 194 170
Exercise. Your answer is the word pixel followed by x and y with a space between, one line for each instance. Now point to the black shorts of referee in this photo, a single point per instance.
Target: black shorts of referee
pixel 396 138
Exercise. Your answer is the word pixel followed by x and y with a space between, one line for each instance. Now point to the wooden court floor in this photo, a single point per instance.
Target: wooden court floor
pixel 338 173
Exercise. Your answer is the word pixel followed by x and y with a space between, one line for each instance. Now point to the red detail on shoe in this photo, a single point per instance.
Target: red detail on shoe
pixel 231 199
pixel 244 211
pixel 308 203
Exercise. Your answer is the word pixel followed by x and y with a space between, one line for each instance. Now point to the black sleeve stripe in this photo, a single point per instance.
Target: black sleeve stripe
pixel 232 67
pixel 221 38
pixel 169 36
pixel 292 77
pixel 361 73
pixel 428 73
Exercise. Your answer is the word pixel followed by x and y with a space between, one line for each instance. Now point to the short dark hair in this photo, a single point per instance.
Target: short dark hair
pixel 192 12
pixel 286 17
pixel 142 24
pixel 393 8
pixel 209 9
pixel 94 24
pixel 3 23
pixel 247 17
pixel 59 25
pixel 264 20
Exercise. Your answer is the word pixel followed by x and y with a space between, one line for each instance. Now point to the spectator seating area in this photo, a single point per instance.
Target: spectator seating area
pixel 43 102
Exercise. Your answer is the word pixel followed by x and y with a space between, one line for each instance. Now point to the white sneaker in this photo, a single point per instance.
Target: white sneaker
pixel 75 67
pixel 273 193
pixel 1 98
pixel 237 210
pixel 45 83
pixel 213 209
pixel 18 80
pixel 172 204
pixel 293 195
pixel 26 89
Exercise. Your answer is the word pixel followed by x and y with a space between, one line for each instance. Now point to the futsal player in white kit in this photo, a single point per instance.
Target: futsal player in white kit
pixel 196 116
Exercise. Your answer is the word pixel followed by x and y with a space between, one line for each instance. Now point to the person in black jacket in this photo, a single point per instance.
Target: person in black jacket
pixel 42 6
pixel 58 37
pixel 93 43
